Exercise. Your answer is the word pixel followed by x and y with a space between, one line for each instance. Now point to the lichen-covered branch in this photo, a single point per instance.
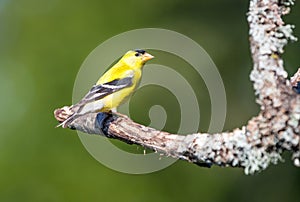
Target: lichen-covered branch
pixel 254 146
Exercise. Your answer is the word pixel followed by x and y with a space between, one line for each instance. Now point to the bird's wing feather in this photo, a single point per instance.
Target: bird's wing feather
pixel 102 90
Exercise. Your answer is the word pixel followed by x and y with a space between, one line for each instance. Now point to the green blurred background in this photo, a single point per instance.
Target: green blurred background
pixel 42 45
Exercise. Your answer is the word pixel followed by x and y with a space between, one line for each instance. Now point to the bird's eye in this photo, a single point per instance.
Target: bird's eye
pixel 137 54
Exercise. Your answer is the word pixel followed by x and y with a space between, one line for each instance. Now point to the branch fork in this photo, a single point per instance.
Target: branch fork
pixel 252 147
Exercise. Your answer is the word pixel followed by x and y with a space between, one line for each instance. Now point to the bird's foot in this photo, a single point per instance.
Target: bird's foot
pixel 121 115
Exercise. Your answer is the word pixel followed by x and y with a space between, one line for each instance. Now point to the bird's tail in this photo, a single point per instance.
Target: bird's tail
pixel 64 115
pixel 66 122
pixel 67 115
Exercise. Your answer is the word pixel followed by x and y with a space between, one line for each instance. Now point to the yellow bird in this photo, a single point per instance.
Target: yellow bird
pixel 111 90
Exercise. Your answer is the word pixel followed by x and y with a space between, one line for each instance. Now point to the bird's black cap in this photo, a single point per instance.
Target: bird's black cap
pixel 140 51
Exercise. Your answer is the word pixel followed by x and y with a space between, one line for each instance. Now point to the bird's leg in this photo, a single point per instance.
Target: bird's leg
pixel 114 111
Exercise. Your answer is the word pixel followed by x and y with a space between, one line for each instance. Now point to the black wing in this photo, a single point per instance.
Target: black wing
pixel 100 91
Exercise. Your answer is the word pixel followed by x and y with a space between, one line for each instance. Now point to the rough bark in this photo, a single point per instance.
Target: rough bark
pixel 264 138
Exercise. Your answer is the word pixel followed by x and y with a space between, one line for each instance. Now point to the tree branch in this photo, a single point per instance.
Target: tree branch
pixel 254 146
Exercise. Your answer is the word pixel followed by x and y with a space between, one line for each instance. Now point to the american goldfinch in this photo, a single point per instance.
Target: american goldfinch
pixel 111 90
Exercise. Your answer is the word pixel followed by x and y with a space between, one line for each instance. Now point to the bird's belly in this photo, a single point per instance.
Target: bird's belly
pixel 117 98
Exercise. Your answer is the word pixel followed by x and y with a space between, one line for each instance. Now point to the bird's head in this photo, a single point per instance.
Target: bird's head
pixel 136 58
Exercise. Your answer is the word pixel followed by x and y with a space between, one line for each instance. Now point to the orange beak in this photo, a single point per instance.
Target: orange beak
pixel 147 57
